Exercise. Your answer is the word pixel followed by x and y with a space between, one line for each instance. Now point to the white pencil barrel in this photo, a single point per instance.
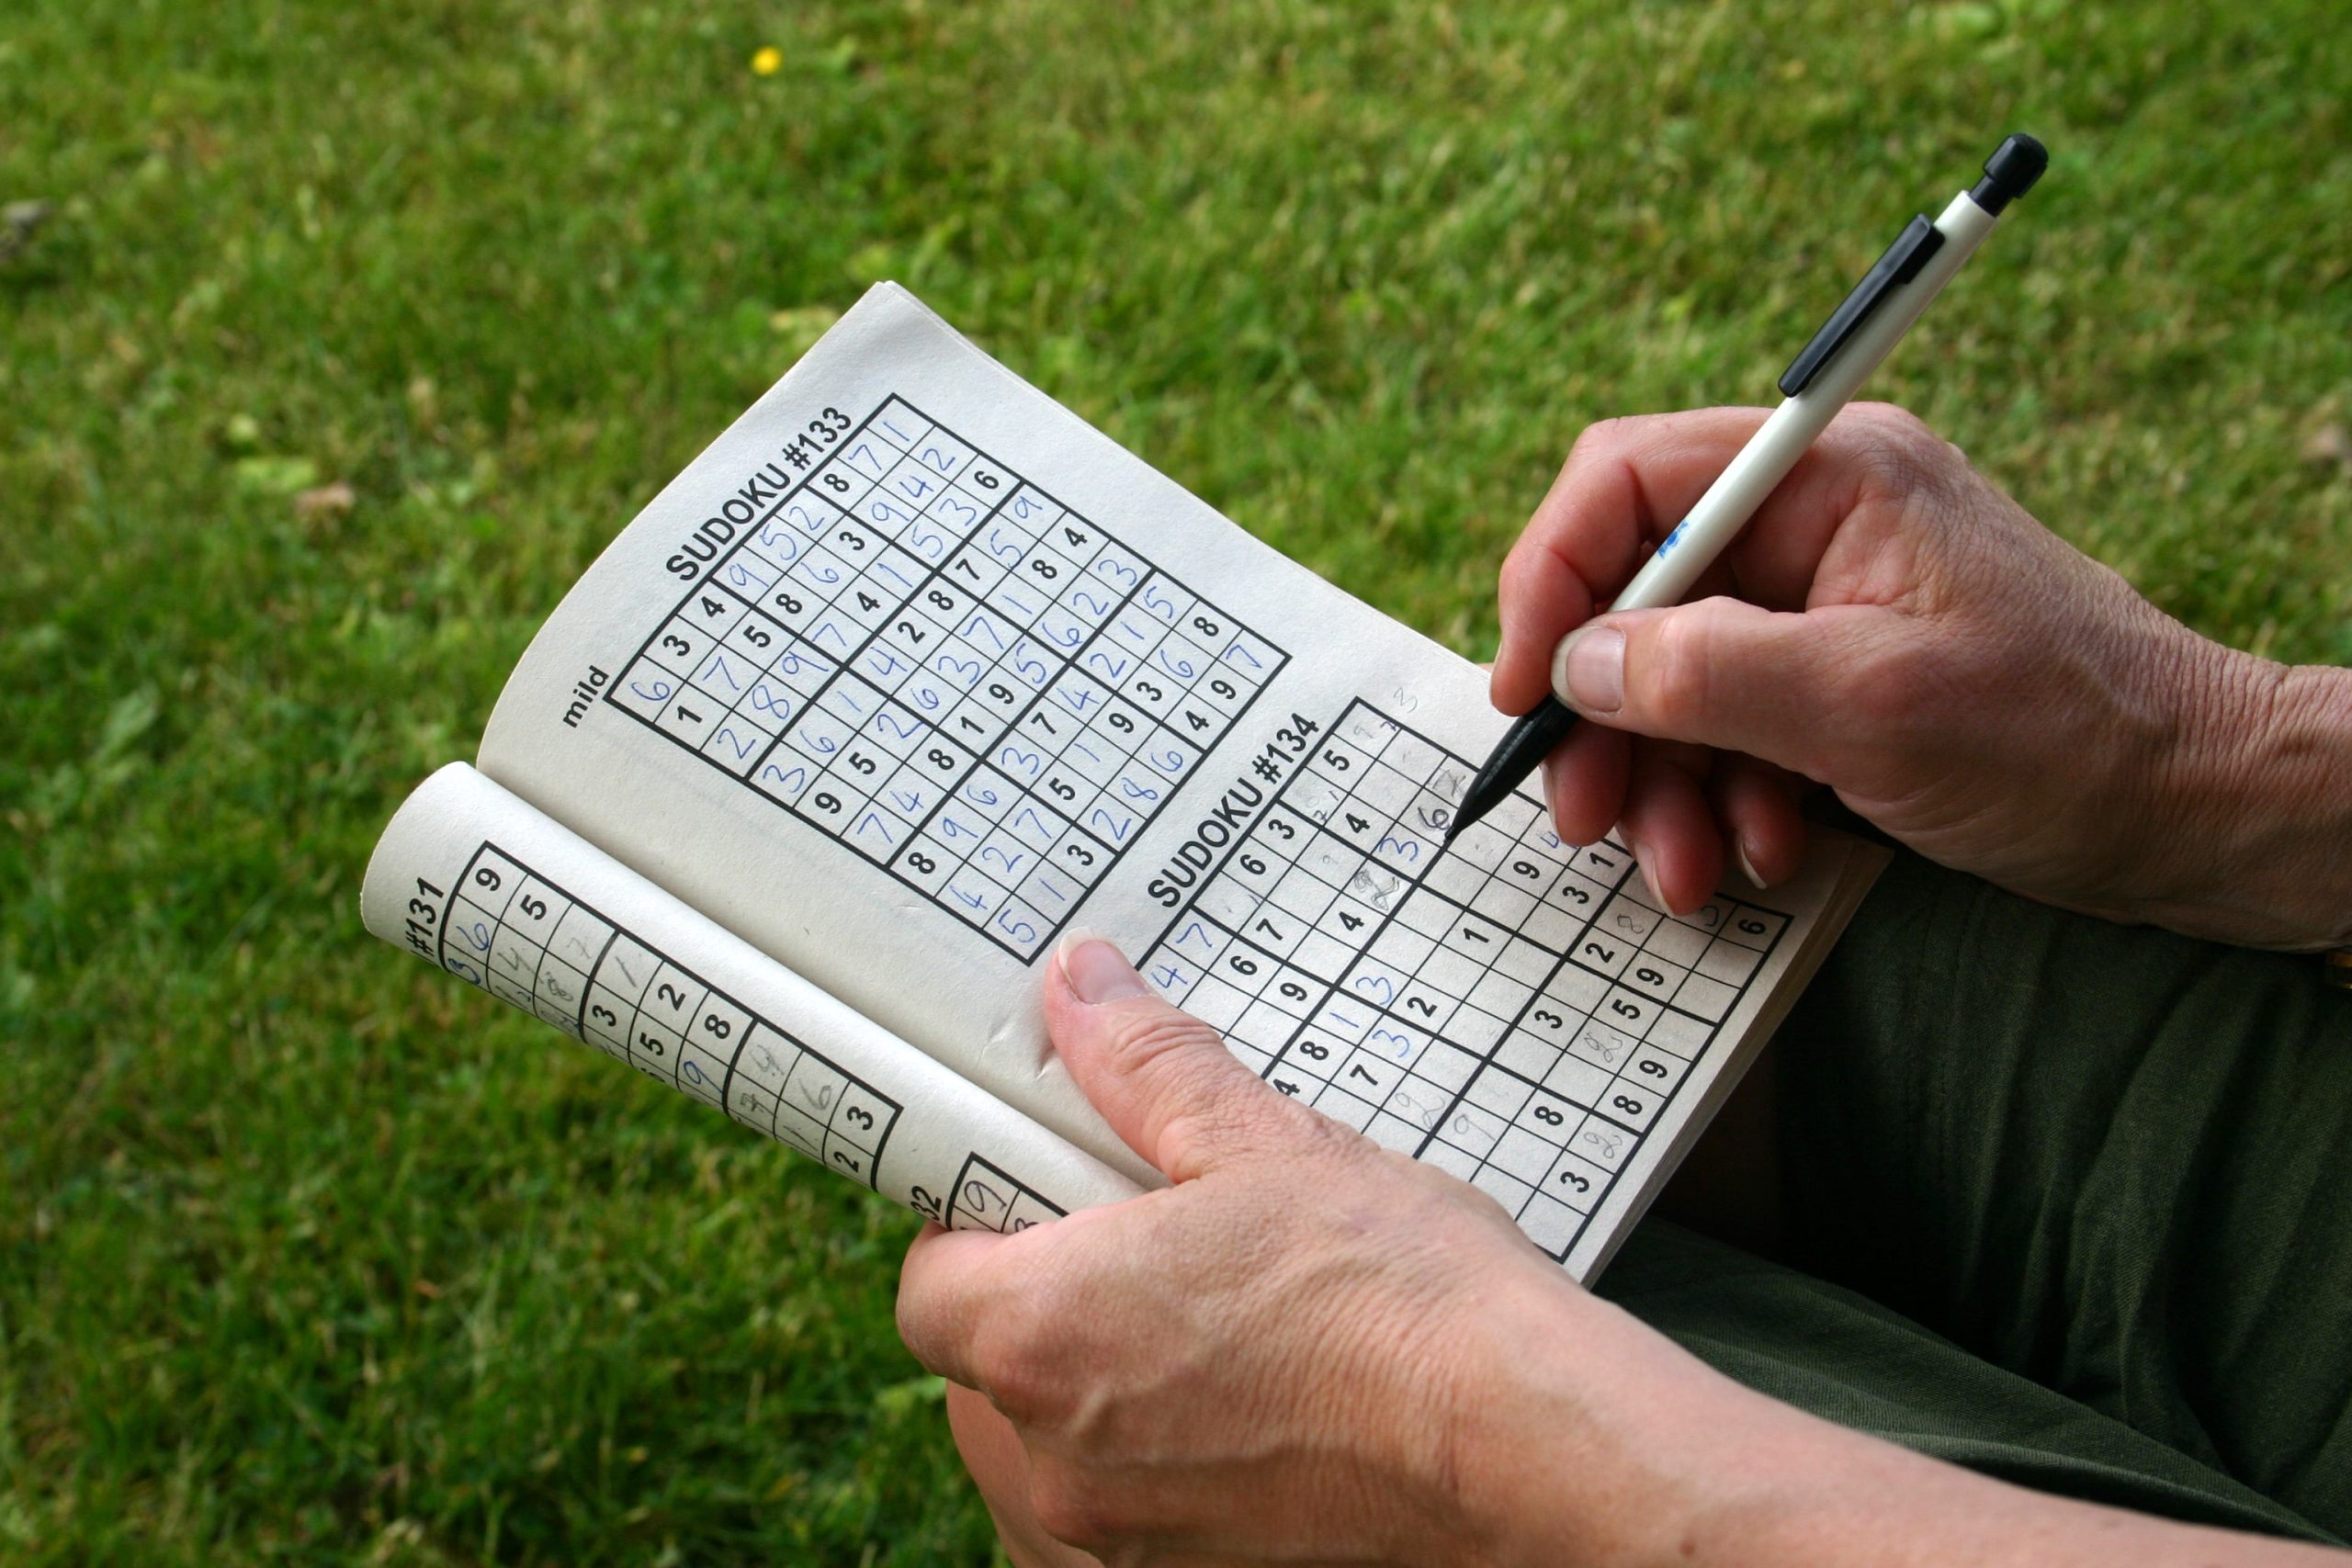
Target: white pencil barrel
pixel 1768 455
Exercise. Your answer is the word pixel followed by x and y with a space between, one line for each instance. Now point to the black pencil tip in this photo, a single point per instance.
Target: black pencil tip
pixel 1453 831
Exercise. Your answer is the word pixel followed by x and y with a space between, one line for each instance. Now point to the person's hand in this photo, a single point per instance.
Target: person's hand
pixel 1893 626
pixel 1309 1348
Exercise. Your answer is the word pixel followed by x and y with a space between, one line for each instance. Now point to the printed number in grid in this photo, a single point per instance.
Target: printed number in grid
pixel 1518 1011
pixel 530 944
pixel 929 657
pixel 986 1199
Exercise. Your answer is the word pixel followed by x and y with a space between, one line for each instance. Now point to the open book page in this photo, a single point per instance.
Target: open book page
pixel 476 881
pixel 912 671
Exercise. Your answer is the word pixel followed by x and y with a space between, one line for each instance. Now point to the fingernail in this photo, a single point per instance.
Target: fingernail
pixel 1747 866
pixel 1649 878
pixel 1551 801
pixel 1589 670
pixel 1099 971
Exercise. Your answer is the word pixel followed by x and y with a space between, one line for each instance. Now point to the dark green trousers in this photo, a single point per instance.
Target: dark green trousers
pixel 2067 1202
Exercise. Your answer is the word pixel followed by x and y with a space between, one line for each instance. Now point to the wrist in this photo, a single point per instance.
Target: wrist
pixel 1592 1437
pixel 2267 787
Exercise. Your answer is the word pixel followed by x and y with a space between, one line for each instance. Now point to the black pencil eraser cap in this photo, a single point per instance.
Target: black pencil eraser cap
pixel 2010 172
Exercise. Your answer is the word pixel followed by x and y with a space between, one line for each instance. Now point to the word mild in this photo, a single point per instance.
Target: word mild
pixel 584 692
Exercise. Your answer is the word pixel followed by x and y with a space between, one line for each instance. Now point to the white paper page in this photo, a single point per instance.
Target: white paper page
pixel 471 879
pixel 914 671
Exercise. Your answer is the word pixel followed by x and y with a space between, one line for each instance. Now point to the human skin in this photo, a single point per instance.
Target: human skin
pixel 1891 625
pixel 1309 1348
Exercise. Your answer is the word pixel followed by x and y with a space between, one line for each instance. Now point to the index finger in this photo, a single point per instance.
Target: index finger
pixel 1625 485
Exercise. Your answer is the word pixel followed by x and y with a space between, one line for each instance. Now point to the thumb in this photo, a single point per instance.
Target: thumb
pixel 1162 1078
pixel 1721 673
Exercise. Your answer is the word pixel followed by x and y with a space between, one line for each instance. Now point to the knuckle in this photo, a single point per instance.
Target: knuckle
pixel 1022 1368
pixel 1216 1122
pixel 1148 1037
pixel 1601 441
pixel 1201 1098
pixel 1255 1118
pixel 1894 420
pixel 1318 1136
pixel 1071 1507
pixel 912 1320
pixel 1679 671
pixel 1903 456
pixel 1521 581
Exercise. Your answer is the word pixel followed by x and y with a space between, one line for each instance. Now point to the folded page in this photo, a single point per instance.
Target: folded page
pixel 471 879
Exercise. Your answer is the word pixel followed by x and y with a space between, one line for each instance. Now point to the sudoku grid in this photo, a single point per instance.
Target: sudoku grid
pixel 986 1199
pixel 930 659
pixel 1517 1011
pixel 531 944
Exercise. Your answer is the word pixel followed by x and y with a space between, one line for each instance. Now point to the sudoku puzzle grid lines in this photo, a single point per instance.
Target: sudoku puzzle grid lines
pixel 531 944
pixel 933 660
pixel 1516 1012
pixel 986 1199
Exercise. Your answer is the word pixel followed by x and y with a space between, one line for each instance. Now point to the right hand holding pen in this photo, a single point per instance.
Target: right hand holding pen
pixel 1893 626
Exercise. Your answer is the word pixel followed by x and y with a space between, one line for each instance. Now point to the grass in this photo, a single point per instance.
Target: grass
pixel 306 1254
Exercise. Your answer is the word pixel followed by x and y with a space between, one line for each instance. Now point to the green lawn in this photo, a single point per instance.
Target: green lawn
pixel 308 1253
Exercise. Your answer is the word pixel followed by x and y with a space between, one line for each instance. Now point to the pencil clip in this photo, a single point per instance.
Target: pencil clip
pixel 1901 264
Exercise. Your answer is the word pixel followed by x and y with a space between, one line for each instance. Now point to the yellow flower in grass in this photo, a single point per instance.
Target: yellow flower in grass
pixel 768 62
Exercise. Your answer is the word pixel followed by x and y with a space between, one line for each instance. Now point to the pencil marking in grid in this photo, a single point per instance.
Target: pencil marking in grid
pixel 1519 1013
pixel 986 1199
pixel 929 657
pixel 533 945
